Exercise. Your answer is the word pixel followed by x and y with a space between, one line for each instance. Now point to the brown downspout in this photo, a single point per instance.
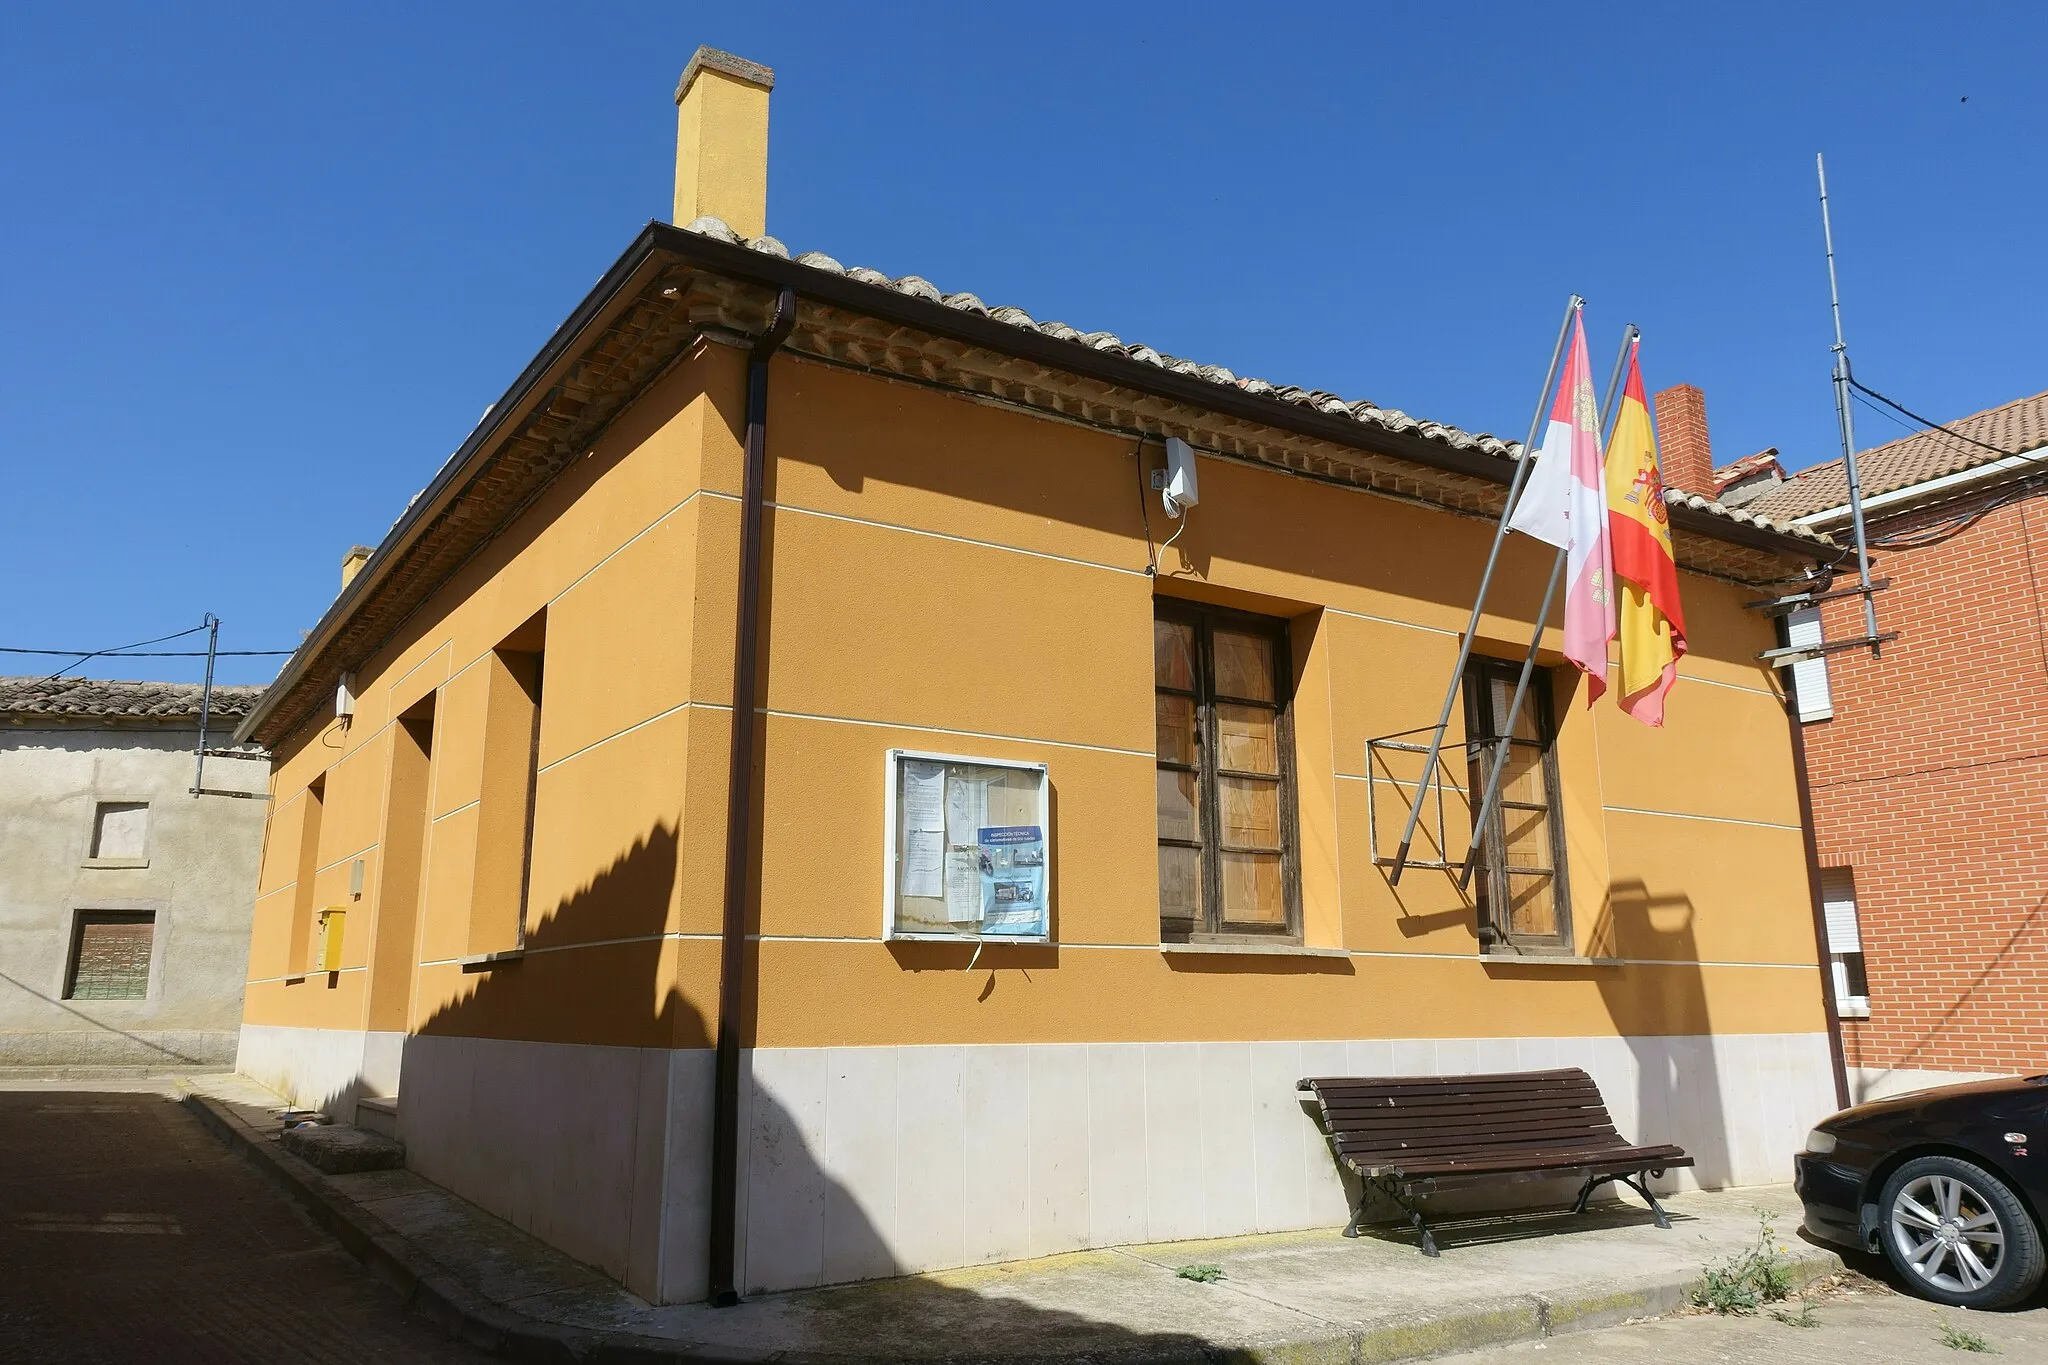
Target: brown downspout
pixel 739 825
pixel 1828 1003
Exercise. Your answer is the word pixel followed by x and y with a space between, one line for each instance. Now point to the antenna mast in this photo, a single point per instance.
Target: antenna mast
pixel 1846 421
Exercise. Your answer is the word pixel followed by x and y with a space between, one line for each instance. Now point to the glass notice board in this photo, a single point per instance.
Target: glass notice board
pixel 967 845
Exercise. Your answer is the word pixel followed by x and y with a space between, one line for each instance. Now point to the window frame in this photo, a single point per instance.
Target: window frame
pixel 85 917
pixel 1495 935
pixel 1838 887
pixel 1815 689
pixel 101 801
pixel 1211 926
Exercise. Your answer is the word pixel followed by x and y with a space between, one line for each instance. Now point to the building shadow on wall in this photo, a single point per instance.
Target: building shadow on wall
pixel 1664 1016
pixel 628 991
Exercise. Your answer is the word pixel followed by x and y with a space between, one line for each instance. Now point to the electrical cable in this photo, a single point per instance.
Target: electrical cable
pixel 1931 426
pixel 1176 535
pixel 1928 535
pixel 154 653
pixel 1151 559
pixel 94 654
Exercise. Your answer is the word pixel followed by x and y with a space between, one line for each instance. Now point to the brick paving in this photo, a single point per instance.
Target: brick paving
pixel 128 1233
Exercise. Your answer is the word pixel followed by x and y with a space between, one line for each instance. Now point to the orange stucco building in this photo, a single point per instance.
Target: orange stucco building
pixel 499 896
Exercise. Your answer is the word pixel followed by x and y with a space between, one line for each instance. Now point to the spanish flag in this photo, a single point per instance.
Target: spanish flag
pixel 1652 626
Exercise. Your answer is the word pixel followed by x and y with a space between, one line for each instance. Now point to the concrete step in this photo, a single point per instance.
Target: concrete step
pixel 342 1148
pixel 379 1114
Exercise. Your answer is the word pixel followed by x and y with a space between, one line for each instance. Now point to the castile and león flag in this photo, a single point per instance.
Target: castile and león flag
pixel 1564 503
pixel 1606 515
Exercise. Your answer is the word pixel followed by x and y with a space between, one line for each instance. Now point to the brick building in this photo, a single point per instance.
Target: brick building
pixel 1929 765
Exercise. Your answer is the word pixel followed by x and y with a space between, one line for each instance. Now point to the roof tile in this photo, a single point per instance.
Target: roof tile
pixel 119 698
pixel 1389 419
pixel 2019 426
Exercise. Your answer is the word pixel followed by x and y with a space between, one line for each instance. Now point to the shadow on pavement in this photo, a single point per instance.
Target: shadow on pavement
pixel 127 1233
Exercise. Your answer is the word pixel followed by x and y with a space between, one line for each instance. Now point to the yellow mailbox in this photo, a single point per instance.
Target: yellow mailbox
pixel 331 920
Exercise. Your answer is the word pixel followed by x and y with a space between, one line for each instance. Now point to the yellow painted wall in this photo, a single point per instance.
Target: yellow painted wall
pixel 908 530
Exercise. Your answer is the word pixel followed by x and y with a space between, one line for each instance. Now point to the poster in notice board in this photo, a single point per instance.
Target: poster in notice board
pixel 968 849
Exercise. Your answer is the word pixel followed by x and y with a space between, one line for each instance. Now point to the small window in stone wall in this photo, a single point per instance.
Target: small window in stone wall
pixel 120 829
pixel 110 955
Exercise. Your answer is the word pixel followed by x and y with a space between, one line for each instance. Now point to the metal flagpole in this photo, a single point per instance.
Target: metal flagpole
pixel 205 701
pixel 1500 531
pixel 1500 751
pixel 1844 418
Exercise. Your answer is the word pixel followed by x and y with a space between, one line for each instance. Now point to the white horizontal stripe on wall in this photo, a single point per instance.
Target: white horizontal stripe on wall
pixel 959 540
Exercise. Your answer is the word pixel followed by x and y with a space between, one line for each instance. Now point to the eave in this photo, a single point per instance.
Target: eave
pixel 671 287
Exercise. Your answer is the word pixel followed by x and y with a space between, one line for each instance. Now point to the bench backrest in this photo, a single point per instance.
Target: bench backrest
pixel 1385 1120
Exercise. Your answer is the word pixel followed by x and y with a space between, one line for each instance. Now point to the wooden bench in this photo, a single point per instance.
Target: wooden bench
pixel 1410 1136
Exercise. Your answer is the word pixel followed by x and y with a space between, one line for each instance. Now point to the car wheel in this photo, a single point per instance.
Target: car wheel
pixel 1957 1235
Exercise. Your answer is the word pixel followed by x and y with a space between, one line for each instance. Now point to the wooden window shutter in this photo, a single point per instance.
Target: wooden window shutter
pixel 110 956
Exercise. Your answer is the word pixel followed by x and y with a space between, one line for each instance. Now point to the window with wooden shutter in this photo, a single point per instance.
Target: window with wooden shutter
pixel 1227 861
pixel 110 955
pixel 1523 900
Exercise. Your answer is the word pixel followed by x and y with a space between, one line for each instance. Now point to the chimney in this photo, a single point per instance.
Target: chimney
pixel 722 141
pixel 352 563
pixel 1685 456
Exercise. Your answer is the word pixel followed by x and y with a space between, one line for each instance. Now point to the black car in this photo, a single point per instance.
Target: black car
pixel 1951 1184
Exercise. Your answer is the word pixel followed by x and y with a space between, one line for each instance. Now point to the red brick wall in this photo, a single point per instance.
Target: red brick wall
pixel 1931 784
pixel 1684 454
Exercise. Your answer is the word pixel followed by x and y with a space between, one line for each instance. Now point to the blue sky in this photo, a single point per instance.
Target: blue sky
pixel 260 270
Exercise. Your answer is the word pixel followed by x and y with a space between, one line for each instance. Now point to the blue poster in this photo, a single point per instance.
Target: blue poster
pixel 1012 879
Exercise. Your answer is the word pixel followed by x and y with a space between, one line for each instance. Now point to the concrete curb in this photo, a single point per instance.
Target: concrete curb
pixel 430 1289
pixel 426 1286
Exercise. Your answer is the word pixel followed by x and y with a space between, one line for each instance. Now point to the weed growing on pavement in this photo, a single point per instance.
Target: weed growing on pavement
pixel 1960 1338
pixel 1803 1318
pixel 1749 1279
pixel 1201 1274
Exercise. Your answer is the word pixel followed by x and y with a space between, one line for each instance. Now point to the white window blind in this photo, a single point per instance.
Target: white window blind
pixel 1838 901
pixel 1816 702
pixel 1845 942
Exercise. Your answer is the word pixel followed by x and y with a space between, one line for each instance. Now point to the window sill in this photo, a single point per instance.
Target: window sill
pixel 1254 949
pixel 1549 960
pixel 979 940
pixel 115 862
pixel 483 962
pixel 1852 1009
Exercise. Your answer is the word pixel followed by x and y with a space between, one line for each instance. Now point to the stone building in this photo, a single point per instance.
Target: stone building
pixel 124 897
pixel 1929 763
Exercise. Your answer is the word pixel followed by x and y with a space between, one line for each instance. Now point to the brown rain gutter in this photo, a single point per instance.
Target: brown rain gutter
pixel 739 825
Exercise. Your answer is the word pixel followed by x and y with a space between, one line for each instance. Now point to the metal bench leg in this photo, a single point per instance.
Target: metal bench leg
pixel 1642 1187
pixel 1636 1183
pixel 1358 1214
pixel 1414 1217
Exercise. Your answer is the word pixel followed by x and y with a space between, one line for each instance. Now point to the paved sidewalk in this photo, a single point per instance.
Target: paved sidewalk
pixel 1299 1297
